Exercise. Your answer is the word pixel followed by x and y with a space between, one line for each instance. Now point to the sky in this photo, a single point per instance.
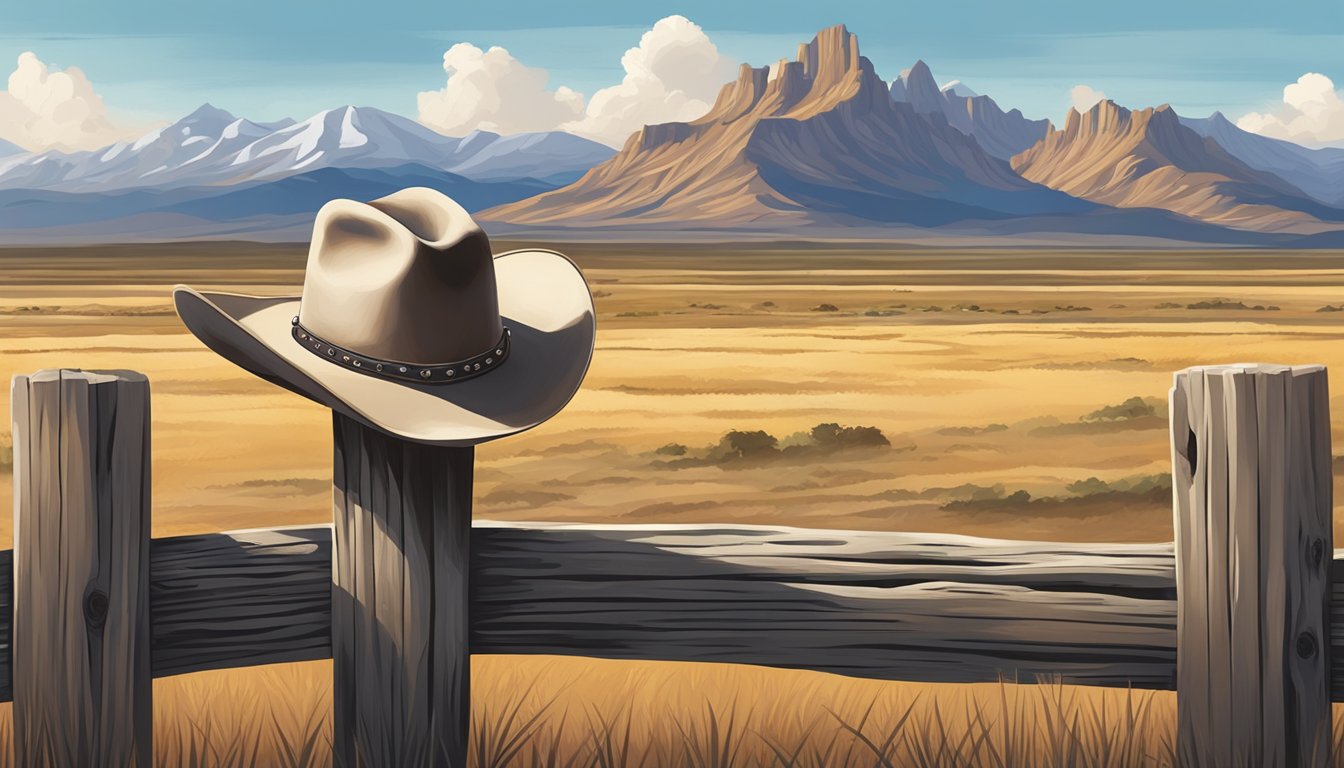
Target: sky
pixel 144 62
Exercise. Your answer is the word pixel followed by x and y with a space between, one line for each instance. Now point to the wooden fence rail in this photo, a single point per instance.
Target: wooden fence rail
pixel 755 595
pixel 1241 616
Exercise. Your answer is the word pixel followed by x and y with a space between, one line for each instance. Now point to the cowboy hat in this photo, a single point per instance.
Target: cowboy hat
pixel 408 322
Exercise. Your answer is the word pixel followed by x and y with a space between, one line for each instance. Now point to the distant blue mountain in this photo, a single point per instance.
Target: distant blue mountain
pixel 302 193
pixel 306 192
pixel 1318 172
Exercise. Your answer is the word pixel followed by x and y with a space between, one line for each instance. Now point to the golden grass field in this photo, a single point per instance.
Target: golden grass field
pixel 1022 395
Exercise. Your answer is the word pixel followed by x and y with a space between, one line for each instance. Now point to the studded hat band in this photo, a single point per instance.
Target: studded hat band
pixel 439 373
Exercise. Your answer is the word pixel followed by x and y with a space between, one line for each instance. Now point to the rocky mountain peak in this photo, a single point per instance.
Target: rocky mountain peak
pixel 832 54
pixel 921 90
pixel 827 71
pixel 1105 117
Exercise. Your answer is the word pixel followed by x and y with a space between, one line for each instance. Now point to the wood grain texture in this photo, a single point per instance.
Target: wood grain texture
pixel 237 599
pixel 884 605
pixel 81 645
pixel 895 606
pixel 6 625
pixel 258 597
pixel 1252 505
pixel 399 600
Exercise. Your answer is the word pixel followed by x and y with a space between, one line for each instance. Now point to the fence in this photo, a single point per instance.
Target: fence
pixel 1248 594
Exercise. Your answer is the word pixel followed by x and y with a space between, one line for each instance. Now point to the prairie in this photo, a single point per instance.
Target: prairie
pixel 1015 394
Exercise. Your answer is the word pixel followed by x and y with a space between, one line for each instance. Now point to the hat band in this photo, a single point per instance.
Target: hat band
pixel 439 373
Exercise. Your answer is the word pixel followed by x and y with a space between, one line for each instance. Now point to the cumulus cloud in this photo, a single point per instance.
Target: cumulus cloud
pixel 1312 113
pixel 673 74
pixel 493 91
pixel 55 109
pixel 1084 97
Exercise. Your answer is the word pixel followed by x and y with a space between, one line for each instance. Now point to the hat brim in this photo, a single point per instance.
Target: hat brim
pixel 543 300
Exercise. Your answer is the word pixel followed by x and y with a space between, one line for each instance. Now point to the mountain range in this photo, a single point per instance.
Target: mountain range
pixel 818 146
pixel 825 146
pixel 211 147
pixel 1149 159
pixel 212 174
pixel 822 142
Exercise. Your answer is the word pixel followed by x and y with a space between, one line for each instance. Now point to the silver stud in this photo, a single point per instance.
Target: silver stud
pixel 357 364
pixel 477 366
pixel 499 351
pixel 379 368
pixel 450 373
pixel 489 360
pixel 317 345
pixel 294 320
pixel 302 335
pixel 331 353
pixel 425 374
pixel 345 358
pixel 466 368
pixel 403 369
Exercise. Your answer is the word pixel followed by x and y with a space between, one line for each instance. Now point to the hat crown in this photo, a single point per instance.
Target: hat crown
pixel 408 277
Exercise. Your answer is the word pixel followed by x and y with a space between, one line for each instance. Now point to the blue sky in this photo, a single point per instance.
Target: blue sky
pixel 155 60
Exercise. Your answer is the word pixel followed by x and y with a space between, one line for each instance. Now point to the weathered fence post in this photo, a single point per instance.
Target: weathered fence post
pixel 82 685
pixel 1251 481
pixel 399 600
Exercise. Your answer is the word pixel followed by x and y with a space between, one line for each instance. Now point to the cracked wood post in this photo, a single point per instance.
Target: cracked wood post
pixel 399 600
pixel 82 685
pixel 1251 482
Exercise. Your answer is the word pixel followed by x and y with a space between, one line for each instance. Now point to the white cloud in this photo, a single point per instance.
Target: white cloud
pixel 493 91
pixel 45 109
pixel 1084 97
pixel 1312 113
pixel 673 74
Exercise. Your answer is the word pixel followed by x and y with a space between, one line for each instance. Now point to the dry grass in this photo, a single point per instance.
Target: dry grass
pixel 548 712
pixel 749 356
pixel 560 713
pixel 1007 415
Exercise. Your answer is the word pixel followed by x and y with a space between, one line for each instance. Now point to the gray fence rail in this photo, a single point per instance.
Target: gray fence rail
pixel 881 605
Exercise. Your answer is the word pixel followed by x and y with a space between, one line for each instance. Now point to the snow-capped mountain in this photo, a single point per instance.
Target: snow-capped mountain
pixel 211 147
pixel 958 89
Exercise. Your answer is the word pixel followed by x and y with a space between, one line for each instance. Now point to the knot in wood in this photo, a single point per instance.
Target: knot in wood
pixel 95 608
pixel 1306 645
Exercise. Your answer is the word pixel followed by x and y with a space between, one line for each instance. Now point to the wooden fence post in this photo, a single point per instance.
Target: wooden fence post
pixel 82 679
pixel 399 600
pixel 1251 481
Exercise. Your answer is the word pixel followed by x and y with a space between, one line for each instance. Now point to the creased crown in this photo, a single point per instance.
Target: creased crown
pixel 408 277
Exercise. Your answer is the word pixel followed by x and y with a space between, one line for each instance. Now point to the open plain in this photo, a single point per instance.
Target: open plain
pixel 1013 394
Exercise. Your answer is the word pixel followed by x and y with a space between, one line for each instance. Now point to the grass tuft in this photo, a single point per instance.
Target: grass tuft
pixel 573 714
